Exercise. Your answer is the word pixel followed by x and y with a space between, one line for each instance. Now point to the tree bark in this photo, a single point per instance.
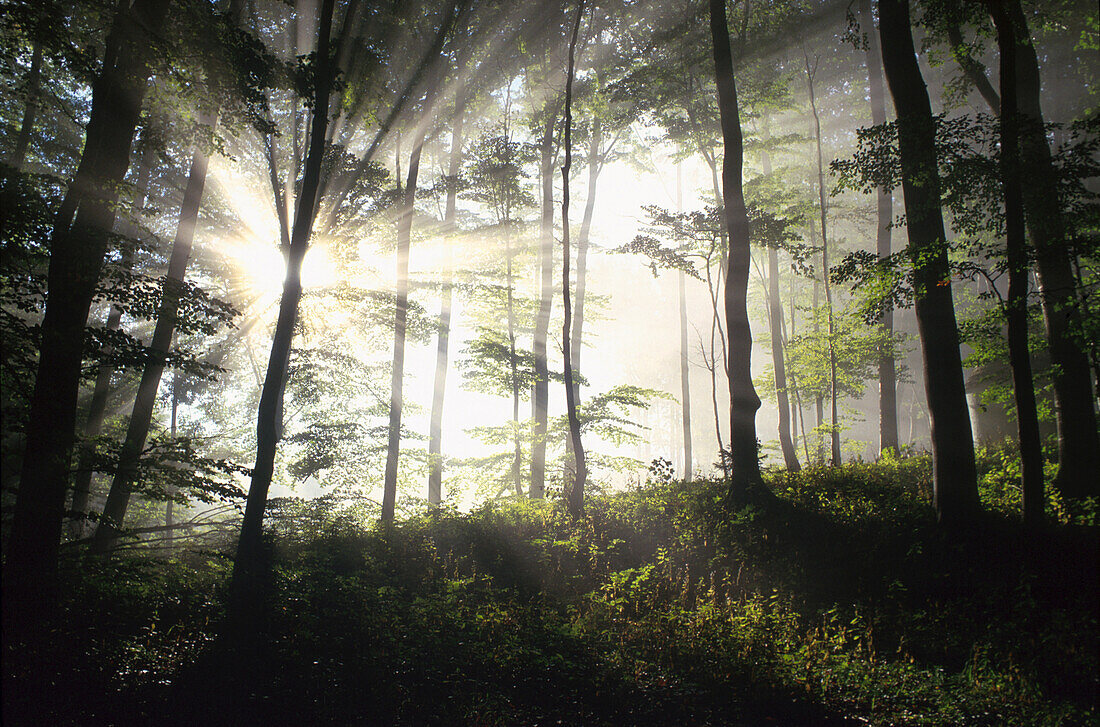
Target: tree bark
pixel 834 424
pixel 541 391
pixel 685 380
pixel 30 110
pixel 775 322
pixel 1078 441
pixel 97 407
pixel 248 569
pixel 745 466
pixel 954 476
pixel 401 313
pixel 118 498
pixel 577 334
pixel 1027 417
pixel 77 254
pixel 972 67
pixel 887 374
pixel 435 432
pixel 575 495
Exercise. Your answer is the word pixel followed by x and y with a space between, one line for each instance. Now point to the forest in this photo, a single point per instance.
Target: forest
pixel 550 362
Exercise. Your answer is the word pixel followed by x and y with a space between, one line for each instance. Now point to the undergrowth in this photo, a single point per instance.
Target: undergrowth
pixel 840 604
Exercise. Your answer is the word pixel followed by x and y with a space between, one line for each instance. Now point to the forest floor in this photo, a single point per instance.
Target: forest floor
pixel 841 604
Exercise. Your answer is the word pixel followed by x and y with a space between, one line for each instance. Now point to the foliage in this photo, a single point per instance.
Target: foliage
pixel 842 603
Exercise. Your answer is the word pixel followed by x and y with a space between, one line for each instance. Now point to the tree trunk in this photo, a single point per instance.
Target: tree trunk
pixel 577 334
pixel 248 569
pixel 744 402
pixel 404 235
pixel 435 431
pixel 954 476
pixel 517 456
pixel 887 375
pixel 30 110
pixel 834 424
pixel 97 407
pixel 775 321
pixel 575 495
pixel 685 380
pixel 169 508
pixel 118 498
pixel 77 254
pixel 540 395
pixel 1078 442
pixel 1027 417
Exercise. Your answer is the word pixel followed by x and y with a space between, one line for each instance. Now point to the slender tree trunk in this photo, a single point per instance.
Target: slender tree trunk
pixel 97 407
pixel 30 111
pixel 685 379
pixel 1074 400
pixel 834 424
pixel 118 498
pixel 404 235
pixel 576 492
pixel 972 67
pixel 248 569
pixel 435 433
pixel 819 400
pixel 77 254
pixel 517 456
pixel 594 166
pixel 775 321
pixel 540 395
pixel 744 402
pixel 577 334
pixel 954 476
pixel 1027 417
pixel 169 508
pixel 887 375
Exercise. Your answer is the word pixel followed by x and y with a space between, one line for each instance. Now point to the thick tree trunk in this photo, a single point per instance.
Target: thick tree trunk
pixel 575 495
pixel 435 431
pixel 887 375
pixel 541 392
pixel 118 498
pixel 1078 442
pixel 744 402
pixel 1027 417
pixel 823 209
pixel 954 475
pixel 400 323
pixel 77 253
pixel 248 569
pixel 97 407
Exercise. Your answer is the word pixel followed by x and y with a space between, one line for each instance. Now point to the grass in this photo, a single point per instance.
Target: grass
pixel 842 604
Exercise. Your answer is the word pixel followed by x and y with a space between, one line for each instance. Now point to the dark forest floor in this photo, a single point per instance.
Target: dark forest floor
pixel 842 604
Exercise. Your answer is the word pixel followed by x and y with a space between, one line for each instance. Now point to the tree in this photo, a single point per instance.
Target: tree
pixel 404 233
pixel 78 246
pixel 823 212
pixel 435 434
pixel 887 375
pixel 954 475
pixel 575 495
pixel 248 568
pixel 1027 417
pixel 1078 440
pixel 745 467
